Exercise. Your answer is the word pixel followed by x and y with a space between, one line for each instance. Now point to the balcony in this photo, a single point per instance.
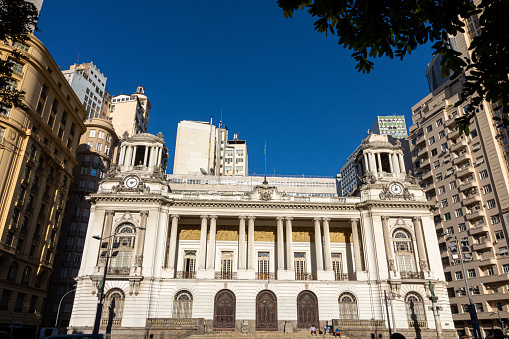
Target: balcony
pixel 468 184
pixel 186 275
pixel 459 145
pixel 305 276
pixel 422 152
pixel 454 133
pixel 484 245
pixel 265 276
pixel 475 214
pixel 450 122
pixel 225 275
pixel 479 230
pixel 427 175
pixel 412 275
pixel 465 170
pixel 496 278
pixel 343 276
pixel 416 323
pixel 464 157
pixel 119 270
pixel 420 139
pixel 472 199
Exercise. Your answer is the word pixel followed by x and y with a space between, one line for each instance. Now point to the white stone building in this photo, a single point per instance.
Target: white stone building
pixel 202 258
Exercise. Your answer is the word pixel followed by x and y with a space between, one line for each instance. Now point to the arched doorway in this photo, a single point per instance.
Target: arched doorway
pixel 307 310
pixel 266 311
pixel 224 310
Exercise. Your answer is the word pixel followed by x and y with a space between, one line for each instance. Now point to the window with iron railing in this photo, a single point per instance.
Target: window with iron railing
pixel 263 266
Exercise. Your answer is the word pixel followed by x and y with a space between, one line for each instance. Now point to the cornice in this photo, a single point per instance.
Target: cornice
pixel 395 204
pixel 263 205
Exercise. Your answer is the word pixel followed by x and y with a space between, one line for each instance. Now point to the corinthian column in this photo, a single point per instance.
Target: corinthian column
pixel 242 243
pixel 356 244
pixel 203 243
pixel 326 237
pixel 421 251
pixel 318 245
pixel 289 244
pixel 280 245
pixel 173 241
pixel 387 242
pixel 212 243
pixel 250 243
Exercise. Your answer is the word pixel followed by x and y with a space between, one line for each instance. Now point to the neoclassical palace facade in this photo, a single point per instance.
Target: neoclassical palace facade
pixel 210 253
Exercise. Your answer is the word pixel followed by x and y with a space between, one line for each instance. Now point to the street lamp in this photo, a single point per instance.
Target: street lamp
pixel 100 296
pixel 473 312
pixel 60 304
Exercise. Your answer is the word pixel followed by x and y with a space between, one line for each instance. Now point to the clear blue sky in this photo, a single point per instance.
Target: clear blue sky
pixel 275 79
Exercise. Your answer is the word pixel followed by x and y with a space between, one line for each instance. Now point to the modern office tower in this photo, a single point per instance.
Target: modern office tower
pixel 96 152
pixel 393 125
pixel 89 84
pixel 467 177
pixel 191 253
pixel 130 113
pixel 202 147
pixel 37 3
pixel 38 153
pixel 350 173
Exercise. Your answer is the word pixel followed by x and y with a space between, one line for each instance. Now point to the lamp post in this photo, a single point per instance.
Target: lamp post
pixel 60 304
pixel 100 292
pixel 473 312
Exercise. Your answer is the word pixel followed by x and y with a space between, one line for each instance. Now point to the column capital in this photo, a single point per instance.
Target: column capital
pixel 213 217
pixel 326 219
pixel 414 219
pixel 288 218
pixel 251 217
pixel 109 212
pixel 204 216
pixel 385 218
pixel 175 216
pixel 356 220
pixel 144 213
pixel 280 218
pixel 242 217
pixel 317 219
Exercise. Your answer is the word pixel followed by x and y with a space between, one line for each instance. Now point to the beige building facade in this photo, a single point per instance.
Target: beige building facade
pixel 37 155
pixel 130 113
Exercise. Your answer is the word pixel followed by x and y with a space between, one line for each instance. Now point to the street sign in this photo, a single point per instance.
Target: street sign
pixel 15 325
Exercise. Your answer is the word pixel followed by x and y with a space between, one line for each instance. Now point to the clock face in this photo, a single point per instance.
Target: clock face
pixel 396 189
pixel 131 182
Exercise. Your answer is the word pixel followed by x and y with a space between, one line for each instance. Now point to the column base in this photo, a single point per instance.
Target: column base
pixel 205 274
pixel 361 275
pixel 246 274
pixel 286 275
pixel 325 275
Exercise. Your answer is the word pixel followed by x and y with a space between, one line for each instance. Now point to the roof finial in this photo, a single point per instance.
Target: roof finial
pixel 265 152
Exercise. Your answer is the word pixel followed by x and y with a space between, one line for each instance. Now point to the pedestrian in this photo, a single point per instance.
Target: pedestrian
pixel 337 333
pixel 313 329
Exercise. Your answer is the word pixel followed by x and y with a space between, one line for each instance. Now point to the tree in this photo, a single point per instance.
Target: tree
pixel 18 18
pixel 395 28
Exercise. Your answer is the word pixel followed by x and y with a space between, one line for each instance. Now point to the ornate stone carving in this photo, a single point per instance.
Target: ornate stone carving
pixel 423 265
pixel 391 265
pixel 368 178
pixel 387 195
pixel 134 286
pixel 160 135
pixel 141 188
pixel 138 260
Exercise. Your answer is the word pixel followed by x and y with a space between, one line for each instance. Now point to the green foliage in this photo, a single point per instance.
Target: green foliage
pixel 395 28
pixel 18 18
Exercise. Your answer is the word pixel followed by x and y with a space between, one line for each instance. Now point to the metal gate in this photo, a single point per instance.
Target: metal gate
pixel 307 310
pixel 224 310
pixel 266 311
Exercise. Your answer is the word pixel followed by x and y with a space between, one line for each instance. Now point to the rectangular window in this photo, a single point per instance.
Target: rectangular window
pixel 471 273
pixel 429 128
pixel 495 219
pixel 226 265
pixel 4 300
pixel 92 133
pixel 189 264
pixel 459 275
pixel 300 265
pixel 476 147
pixel 263 266
pixel 450 230
pixel 337 266
pixel 462 227
pixel 54 106
pixel 441 190
pixel 434 152
pixel 479 307
pixel 491 204
pixel 100 135
pixel 454 308
pixel 444 147
pixel 436 164
pixel 431 141
pixel 439 177
pixel 453 185
pixel 439 122
pixel 447 216
pixel 99 146
pixel 490 271
pixel 20 299
pixel 239 168
pixel 16 67
pixel 455 198
pixel 499 235
pixel 486 189
pixel 459 212
pixel 239 152
pixel 479 160
pixel 447 159
pixel 483 174
pixel 444 203
pixel 2 131
pixel 441 134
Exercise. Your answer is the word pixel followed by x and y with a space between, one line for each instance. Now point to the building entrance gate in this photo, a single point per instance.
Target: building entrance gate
pixel 266 311
pixel 224 310
pixel 307 310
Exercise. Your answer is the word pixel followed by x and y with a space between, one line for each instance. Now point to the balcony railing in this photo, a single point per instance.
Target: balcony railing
pixel 416 323
pixel 186 275
pixel 412 275
pixel 225 275
pixel 119 270
pixel 305 276
pixel 357 323
pixel 265 276
pixel 114 322
pixel 344 276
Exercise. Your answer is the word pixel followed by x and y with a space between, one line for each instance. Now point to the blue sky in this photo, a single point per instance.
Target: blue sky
pixel 274 79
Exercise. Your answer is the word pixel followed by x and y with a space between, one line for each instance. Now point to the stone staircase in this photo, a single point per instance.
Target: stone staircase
pixel 261 335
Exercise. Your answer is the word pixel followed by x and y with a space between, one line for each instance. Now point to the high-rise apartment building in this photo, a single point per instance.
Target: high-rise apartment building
pixel 89 84
pixel 202 147
pixel 393 125
pixel 468 178
pixel 37 155
pixel 130 113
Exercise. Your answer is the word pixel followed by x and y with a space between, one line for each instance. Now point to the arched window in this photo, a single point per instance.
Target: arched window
pixel 13 271
pixel 348 306
pixel 404 251
pixel 415 310
pixel 113 307
pixel 125 238
pixel 27 272
pixel 183 305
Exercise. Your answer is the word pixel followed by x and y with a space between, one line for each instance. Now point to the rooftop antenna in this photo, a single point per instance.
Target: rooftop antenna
pixel 78 60
pixel 265 176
